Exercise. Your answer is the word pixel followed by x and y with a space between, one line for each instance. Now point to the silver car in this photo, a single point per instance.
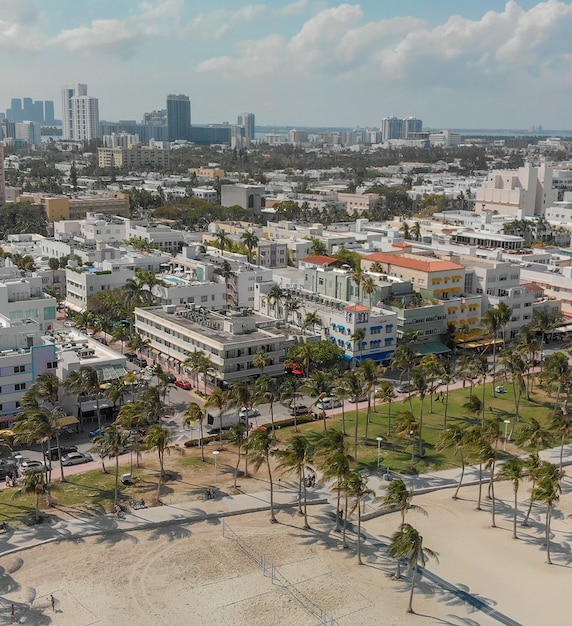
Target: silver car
pixel 76 458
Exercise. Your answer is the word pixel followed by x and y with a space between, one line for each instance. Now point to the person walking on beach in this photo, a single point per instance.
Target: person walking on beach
pixel 53 601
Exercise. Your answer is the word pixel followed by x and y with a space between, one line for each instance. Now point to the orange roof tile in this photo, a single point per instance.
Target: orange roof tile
pixel 402 244
pixel 319 259
pixel 356 307
pixel 429 265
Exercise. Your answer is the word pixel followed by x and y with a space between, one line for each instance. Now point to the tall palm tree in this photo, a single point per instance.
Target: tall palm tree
pixel 34 482
pixel 205 367
pixel 138 343
pixel 150 404
pixel 556 372
pixel 353 382
pixel 408 543
pixel 403 359
pixel 547 491
pixel 421 388
pixel 513 470
pixel 386 393
pixel 529 344
pixel 117 441
pixel 275 296
pixel 194 413
pixel 455 437
pixel 260 448
pixel 358 278
pixel 295 457
pixel 368 287
pixel 266 390
pixel 159 439
pixel 117 391
pixel 533 468
pixel 319 386
pixel 260 360
pixel 370 374
pixel 357 338
pixel 533 433
pixel 290 390
pixel 355 486
pixel 561 426
pixel 312 320
pixel 250 240
pixel 492 323
pixel 219 400
pixel 100 446
pixel 237 436
pixel 85 381
pixel 223 241
pixel 515 366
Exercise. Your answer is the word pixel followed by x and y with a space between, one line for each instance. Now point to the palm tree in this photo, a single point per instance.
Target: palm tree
pixel 195 413
pixel 312 320
pixel 117 391
pixel 420 387
pixel 100 446
pixel 290 390
pixel 223 241
pixel 291 305
pixel 386 393
pixel 408 543
pixel 492 323
pixel 548 491
pixel 266 389
pixel 532 433
pixel 219 400
pixel 529 344
pixel 341 393
pixel 370 374
pixel 353 382
pixel 138 343
pixel 490 456
pixel 205 366
pixel 46 388
pixel 481 451
pixel 368 287
pixel 85 381
pixel 533 468
pixel 513 470
pixel 319 386
pixel 150 404
pixel 355 486
pixel 358 278
pixel 561 426
pixel 159 439
pixel 504 315
pixel 34 482
pixel 275 296
pixel 237 436
pixel 117 440
pixel 297 455
pixel 260 360
pixel 193 364
pixel 260 447
pixel 416 231
pixel 515 366
pixel 556 371
pixel 403 359
pixel 250 241
pixel 455 437
pixel 358 337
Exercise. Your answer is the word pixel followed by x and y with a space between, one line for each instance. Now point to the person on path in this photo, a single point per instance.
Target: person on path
pixel 53 601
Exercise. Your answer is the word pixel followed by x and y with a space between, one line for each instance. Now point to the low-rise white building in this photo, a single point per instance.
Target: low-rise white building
pixel 24 298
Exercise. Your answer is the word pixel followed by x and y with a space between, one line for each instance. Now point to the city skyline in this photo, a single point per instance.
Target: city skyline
pixel 301 63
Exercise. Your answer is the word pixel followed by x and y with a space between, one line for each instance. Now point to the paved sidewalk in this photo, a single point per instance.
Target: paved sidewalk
pixel 285 496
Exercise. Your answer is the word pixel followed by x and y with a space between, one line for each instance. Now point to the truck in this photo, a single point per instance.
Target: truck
pixel 225 421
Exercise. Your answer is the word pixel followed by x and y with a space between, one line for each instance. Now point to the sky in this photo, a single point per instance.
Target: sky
pixel 452 63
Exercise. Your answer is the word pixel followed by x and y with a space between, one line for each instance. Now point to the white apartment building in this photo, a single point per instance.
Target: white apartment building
pixel 84 118
pixel 524 192
pixel 83 283
pixel 182 290
pixel 165 238
pixel 230 340
pixel 272 254
pixel 23 357
pixel 24 298
pixel 208 194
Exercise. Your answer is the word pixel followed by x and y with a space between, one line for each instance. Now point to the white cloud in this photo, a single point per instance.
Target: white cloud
pixel 216 24
pixel 19 25
pixel 121 37
pixel 294 8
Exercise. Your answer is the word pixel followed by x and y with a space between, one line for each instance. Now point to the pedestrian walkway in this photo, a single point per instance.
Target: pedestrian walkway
pixel 285 496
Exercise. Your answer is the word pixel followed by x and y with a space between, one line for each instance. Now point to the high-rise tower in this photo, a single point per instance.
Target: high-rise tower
pixel 85 118
pixel 67 94
pixel 247 120
pixel 178 117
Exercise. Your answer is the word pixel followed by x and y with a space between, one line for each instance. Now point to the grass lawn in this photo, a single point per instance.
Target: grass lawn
pixel 396 452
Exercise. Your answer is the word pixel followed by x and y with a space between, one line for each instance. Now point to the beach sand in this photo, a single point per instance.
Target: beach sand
pixel 192 574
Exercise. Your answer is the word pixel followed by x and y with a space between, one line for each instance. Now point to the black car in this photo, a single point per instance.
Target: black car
pixel 130 356
pixel 140 362
pixel 171 378
pixel 53 454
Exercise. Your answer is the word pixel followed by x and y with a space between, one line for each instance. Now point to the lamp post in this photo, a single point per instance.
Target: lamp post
pixel 506 423
pixel 379 440
pixel 215 454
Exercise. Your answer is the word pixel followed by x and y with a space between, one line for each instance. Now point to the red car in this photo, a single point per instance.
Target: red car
pixel 183 384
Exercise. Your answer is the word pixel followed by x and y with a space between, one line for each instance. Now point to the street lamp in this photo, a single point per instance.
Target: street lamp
pixel 379 440
pixel 215 454
pixel 506 423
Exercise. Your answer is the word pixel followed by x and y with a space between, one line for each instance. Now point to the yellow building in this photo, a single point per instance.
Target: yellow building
pixel 207 172
pixel 66 208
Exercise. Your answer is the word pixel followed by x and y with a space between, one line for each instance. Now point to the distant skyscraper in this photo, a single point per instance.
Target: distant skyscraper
pixel 67 94
pixel 2 182
pixel 84 118
pixel 49 117
pixel 15 113
pixel 38 112
pixel 391 128
pixel 247 120
pixel 178 117
pixel 28 109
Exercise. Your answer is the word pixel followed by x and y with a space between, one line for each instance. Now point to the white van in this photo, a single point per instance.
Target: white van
pixel 325 404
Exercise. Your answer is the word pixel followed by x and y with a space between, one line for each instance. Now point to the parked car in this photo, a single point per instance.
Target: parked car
pixel 7 467
pixel 94 433
pixel 403 388
pixel 28 466
pixel 328 403
pixel 500 389
pixel 244 412
pixel 101 340
pixel 140 362
pixel 69 324
pixel 362 398
pixel 171 378
pixel 76 458
pixel 183 384
pixel 53 454
pixel 300 409
pixel 130 356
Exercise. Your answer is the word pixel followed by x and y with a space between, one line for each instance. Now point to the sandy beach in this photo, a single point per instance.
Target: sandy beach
pixel 192 574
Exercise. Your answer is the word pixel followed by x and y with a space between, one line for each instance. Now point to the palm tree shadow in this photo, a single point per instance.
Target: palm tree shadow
pixel 171 532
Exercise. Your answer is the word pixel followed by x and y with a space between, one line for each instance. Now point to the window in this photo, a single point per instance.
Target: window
pixel 204 298
pixel 19 386
pixel 18 369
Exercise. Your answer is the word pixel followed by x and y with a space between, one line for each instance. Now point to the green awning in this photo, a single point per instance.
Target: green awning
pixel 431 347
